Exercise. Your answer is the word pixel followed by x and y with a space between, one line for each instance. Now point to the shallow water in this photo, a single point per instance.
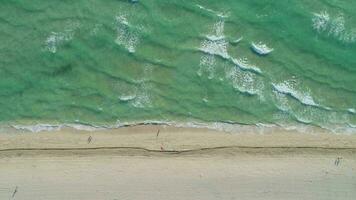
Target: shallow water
pixel 100 62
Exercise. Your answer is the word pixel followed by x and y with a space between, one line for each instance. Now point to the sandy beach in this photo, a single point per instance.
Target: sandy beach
pixel 176 163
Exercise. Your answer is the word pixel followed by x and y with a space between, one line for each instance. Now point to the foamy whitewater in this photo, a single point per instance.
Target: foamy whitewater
pixel 233 65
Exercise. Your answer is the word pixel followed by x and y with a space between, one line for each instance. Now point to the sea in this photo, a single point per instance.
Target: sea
pixel 112 63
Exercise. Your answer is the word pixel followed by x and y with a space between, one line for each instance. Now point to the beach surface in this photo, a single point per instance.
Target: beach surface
pixel 161 162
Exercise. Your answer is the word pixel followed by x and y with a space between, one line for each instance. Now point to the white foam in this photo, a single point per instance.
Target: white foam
pixel 333 26
pixel 83 127
pixel 237 40
pixel 38 127
pixel 96 29
pixel 217 47
pixel 127 97
pixel 303 120
pixel 143 97
pixel 137 95
pixel 351 110
pixel 207 63
pixel 351 125
pixel 56 39
pixel 243 64
pixel 244 81
pixel 215 38
pixel 125 37
pixel 321 21
pixel 122 19
pixel 282 101
pixel 214 45
pixel 288 87
pixel 220 126
pixel 261 48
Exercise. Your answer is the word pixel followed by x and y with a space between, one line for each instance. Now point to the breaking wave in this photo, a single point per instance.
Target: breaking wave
pixel 289 88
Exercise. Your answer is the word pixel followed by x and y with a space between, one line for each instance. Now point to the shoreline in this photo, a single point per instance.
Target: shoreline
pixel 174 140
pixel 223 126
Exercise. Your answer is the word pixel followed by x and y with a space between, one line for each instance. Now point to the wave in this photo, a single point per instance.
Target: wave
pixel 127 97
pixel 351 110
pixel 333 26
pixel 126 37
pixel 143 97
pixel 351 125
pixel 214 37
pixel 217 47
pixel 244 81
pixel 261 48
pixel 243 64
pixel 137 93
pixel 304 121
pixel 237 40
pixel 327 119
pixel 215 44
pixel 289 89
pixel 240 75
pixel 282 101
pixel 38 127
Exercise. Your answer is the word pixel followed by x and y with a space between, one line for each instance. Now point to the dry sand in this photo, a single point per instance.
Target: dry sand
pixel 181 163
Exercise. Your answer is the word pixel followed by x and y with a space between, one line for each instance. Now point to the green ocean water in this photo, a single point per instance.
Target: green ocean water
pixel 103 62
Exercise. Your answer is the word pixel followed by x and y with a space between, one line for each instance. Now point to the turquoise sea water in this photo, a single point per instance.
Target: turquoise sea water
pixel 103 62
